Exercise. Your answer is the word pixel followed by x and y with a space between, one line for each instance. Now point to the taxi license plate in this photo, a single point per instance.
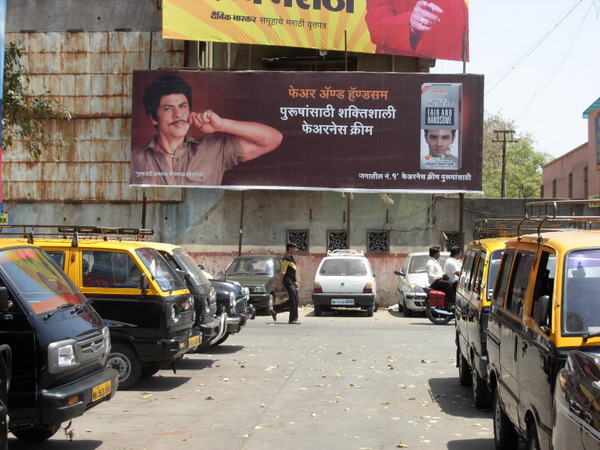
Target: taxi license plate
pixel 193 341
pixel 342 301
pixel 101 391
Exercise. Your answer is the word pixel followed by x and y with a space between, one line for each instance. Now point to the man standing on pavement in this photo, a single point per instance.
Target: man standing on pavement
pixel 288 280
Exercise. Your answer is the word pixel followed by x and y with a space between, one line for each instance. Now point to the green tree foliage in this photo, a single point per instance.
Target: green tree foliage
pixel 523 163
pixel 24 114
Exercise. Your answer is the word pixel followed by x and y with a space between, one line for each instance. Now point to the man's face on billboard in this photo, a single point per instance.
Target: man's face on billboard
pixel 173 116
pixel 439 142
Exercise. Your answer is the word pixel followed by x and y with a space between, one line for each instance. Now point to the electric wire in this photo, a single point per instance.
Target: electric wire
pixel 519 59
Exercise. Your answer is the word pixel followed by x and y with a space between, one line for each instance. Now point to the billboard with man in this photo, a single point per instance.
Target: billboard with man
pixel 438 29
pixel 384 132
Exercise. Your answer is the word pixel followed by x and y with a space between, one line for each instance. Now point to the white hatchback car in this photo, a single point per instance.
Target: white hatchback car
pixel 412 279
pixel 344 279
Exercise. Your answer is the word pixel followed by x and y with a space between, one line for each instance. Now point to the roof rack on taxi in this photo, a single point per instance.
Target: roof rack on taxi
pixel 75 232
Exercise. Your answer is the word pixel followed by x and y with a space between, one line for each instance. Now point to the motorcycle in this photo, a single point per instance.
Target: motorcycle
pixel 438 309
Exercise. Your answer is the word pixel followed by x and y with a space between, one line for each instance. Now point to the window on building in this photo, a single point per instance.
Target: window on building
pixel 554 188
pixel 450 239
pixel 378 241
pixel 585 182
pixel 570 185
pixel 300 238
pixel 337 240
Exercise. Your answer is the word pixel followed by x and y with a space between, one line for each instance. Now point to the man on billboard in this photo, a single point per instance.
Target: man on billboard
pixel 174 158
pixel 437 151
pixel 419 28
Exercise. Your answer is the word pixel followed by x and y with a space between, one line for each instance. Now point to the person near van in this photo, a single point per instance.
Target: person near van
pixel 174 158
pixel 438 280
pixel 452 268
pixel 289 282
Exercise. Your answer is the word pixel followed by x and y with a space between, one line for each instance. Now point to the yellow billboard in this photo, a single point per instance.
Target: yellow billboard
pixel 400 27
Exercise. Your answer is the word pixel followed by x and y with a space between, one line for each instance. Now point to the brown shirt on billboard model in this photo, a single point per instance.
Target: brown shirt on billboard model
pixel 419 28
pixel 173 158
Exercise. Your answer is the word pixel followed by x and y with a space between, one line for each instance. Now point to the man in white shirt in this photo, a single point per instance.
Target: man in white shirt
pixel 438 280
pixel 452 268
pixel 453 264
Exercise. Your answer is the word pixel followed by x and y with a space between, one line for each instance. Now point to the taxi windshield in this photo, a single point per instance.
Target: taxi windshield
pixel 581 310
pixel 161 271
pixel 186 262
pixel 40 283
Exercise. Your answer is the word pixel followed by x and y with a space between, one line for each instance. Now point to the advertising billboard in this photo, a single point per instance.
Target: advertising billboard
pixel 387 132
pixel 423 29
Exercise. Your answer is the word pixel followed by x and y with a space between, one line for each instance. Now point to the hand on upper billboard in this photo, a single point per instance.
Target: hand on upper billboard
pixel 255 139
pixel 425 16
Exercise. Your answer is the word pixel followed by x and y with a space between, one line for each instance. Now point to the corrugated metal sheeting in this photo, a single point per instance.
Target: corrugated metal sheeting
pixel 90 74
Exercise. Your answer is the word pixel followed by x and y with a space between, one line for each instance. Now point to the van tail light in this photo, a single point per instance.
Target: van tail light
pixel 368 289
pixel 318 289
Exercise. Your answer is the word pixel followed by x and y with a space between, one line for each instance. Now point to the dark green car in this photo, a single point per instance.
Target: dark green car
pixel 260 274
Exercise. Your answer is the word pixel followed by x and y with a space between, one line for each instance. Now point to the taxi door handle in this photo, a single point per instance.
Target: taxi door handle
pixel 524 346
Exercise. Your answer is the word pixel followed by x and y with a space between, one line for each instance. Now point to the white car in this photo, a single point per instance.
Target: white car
pixel 412 279
pixel 345 279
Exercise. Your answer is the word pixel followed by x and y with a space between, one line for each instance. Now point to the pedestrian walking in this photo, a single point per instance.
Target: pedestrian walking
pixel 290 283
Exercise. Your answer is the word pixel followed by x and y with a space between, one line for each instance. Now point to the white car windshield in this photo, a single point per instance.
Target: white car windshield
pixel 343 267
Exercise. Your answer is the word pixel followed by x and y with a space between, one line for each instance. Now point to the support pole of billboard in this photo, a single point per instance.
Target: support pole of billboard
pixel 349 196
pixel 345 50
pixel 241 224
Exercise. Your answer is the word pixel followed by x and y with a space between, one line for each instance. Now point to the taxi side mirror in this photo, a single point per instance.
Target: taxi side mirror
pixel 144 285
pixel 540 310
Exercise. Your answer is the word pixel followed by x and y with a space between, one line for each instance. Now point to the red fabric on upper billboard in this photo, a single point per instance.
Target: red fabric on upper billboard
pixel 400 27
pixel 309 130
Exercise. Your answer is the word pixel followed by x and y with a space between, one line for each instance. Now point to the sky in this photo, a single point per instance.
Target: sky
pixel 541 63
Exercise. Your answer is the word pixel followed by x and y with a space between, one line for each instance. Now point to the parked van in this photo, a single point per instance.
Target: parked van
pixel 59 344
pixel 545 303
pixel 149 309
pixel 232 319
pixel 473 295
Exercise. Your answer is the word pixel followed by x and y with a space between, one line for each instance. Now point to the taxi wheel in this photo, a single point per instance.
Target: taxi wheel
pixel 370 311
pixel 505 435
pixel 148 371
pixel 318 310
pixel 532 438
pixel 482 397
pixel 125 362
pixel 464 370
pixel 36 433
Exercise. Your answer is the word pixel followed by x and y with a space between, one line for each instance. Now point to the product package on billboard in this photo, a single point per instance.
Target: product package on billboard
pixel 441 110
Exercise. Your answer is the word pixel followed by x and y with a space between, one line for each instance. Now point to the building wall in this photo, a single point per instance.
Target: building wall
pixel 577 168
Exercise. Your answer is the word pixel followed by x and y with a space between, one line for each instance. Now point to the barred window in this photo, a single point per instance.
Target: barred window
pixel 450 239
pixel 300 238
pixel 378 241
pixel 337 240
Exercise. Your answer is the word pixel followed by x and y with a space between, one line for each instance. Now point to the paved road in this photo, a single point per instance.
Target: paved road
pixel 340 381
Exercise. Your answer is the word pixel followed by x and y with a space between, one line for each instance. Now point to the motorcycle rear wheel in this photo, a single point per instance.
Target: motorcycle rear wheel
pixel 435 318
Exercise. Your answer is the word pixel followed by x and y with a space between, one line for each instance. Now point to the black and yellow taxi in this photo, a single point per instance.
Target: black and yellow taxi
pixel 147 306
pixel 473 294
pixel 545 304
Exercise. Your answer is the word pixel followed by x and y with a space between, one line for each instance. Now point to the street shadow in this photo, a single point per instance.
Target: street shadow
pixel 58 443
pixel 455 399
pixel 222 349
pixel 478 444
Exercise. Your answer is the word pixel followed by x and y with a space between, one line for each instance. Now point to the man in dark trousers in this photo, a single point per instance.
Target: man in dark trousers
pixel 288 280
